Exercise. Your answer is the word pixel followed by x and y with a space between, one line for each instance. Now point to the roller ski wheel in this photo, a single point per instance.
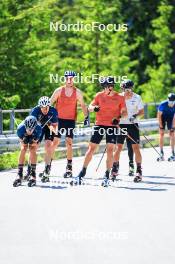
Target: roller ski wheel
pixel 105 182
pixel 45 179
pixel 161 158
pixel 41 174
pixel 31 182
pixel 78 181
pixel 17 182
pixel 172 158
pixel 114 176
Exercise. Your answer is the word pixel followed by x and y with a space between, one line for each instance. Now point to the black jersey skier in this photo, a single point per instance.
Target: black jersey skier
pixel 166 116
pixel 29 133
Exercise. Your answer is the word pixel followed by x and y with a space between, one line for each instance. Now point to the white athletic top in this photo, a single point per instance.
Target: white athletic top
pixel 133 105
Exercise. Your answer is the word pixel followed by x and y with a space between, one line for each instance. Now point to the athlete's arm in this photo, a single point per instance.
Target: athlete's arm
pixel 94 105
pixel 55 95
pixel 82 103
pixel 140 112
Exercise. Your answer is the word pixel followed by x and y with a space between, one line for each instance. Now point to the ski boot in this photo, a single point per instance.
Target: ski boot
pixel 161 157
pixel 32 181
pixel 105 182
pixel 68 173
pixel 114 171
pixel 172 157
pixel 138 177
pixel 131 169
pixel 79 179
pixel 45 174
pixel 18 180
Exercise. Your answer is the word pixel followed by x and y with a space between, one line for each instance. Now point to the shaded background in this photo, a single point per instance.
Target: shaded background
pixel 29 51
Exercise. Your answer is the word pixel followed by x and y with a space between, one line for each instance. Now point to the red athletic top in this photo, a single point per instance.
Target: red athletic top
pixel 110 107
pixel 67 105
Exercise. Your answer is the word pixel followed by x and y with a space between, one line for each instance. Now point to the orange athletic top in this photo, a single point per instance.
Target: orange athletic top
pixel 110 107
pixel 67 105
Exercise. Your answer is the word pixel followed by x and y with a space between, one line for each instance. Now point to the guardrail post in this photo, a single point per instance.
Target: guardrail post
pixel 12 121
pixel 146 111
pixel 1 122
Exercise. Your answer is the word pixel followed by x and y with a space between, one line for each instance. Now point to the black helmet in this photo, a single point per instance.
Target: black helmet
pixel 30 122
pixel 107 81
pixel 171 97
pixel 127 84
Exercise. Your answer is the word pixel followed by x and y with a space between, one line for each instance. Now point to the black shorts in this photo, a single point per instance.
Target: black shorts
pixel 46 134
pixel 98 133
pixel 65 127
pixel 167 122
pixel 132 131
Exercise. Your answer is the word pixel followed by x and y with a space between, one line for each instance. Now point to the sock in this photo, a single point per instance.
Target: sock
pixel 115 166
pixel 161 151
pixel 139 166
pixel 69 161
pixel 107 174
pixel 131 164
pixel 20 169
pixel 33 170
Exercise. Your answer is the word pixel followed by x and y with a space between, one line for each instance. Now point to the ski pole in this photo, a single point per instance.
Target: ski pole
pixel 149 141
pixel 101 159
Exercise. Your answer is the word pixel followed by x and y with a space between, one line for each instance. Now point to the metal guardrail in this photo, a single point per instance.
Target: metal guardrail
pixel 12 113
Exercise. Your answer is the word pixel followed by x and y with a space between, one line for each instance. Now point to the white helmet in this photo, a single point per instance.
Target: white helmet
pixel 44 101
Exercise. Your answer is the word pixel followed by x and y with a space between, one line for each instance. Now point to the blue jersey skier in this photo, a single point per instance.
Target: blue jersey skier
pixel 29 133
pixel 166 117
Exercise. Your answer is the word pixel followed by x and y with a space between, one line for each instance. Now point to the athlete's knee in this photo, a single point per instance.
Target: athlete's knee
pixel 69 142
pixel 110 148
pixel 119 147
pixel 91 149
pixel 48 144
pixel 24 148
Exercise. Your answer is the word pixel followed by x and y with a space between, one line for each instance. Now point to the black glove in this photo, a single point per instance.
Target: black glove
pixel 96 108
pixel 132 118
pixel 86 121
pixel 115 121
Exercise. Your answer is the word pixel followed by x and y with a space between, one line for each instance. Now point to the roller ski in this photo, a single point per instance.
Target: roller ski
pixel 138 177
pixel 131 169
pixel 45 174
pixel 17 182
pixel 79 180
pixel 105 182
pixel 172 157
pixel 161 157
pixel 68 173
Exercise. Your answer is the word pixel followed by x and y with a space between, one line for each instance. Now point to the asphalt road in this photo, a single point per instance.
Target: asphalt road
pixel 125 223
